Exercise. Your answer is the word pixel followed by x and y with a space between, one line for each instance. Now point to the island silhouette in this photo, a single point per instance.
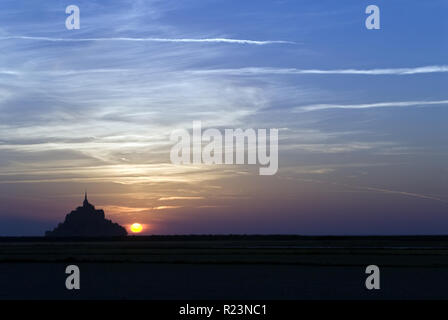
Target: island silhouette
pixel 86 221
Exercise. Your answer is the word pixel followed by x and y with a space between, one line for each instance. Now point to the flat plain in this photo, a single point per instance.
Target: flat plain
pixel 225 267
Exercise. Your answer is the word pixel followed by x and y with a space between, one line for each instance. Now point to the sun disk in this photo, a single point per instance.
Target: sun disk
pixel 136 227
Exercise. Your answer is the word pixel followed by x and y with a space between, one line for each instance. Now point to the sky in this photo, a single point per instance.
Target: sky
pixel 361 114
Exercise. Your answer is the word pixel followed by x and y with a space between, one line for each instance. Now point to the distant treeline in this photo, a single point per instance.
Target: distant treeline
pixel 229 237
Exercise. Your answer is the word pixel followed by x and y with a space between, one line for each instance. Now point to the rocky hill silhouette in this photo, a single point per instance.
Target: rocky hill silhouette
pixel 86 221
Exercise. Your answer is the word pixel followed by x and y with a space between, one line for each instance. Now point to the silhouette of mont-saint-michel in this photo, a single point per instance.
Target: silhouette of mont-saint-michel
pixel 86 221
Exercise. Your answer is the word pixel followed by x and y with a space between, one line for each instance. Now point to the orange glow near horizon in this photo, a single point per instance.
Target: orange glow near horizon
pixel 136 228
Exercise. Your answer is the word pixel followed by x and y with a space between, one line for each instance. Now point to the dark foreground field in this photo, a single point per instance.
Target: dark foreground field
pixel 225 267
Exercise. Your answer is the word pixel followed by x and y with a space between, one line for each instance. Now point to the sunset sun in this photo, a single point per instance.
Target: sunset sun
pixel 136 228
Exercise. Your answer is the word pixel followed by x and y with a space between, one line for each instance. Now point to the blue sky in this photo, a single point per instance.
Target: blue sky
pixel 362 114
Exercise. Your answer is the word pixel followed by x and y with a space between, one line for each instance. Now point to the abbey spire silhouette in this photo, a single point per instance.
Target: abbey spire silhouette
pixel 86 221
pixel 86 203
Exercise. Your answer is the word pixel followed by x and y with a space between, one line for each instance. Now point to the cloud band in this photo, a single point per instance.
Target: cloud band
pixel 178 40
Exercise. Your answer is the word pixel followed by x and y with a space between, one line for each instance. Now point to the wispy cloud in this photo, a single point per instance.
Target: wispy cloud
pixel 112 210
pixel 180 198
pixel 166 207
pixel 371 105
pixel 293 71
pixel 175 40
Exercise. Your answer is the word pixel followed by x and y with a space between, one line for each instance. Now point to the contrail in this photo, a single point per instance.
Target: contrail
pixel 404 193
pixel 64 72
pixel 370 105
pixel 179 40
pixel 381 190
pixel 293 71
pixel 250 71
pixel 9 72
